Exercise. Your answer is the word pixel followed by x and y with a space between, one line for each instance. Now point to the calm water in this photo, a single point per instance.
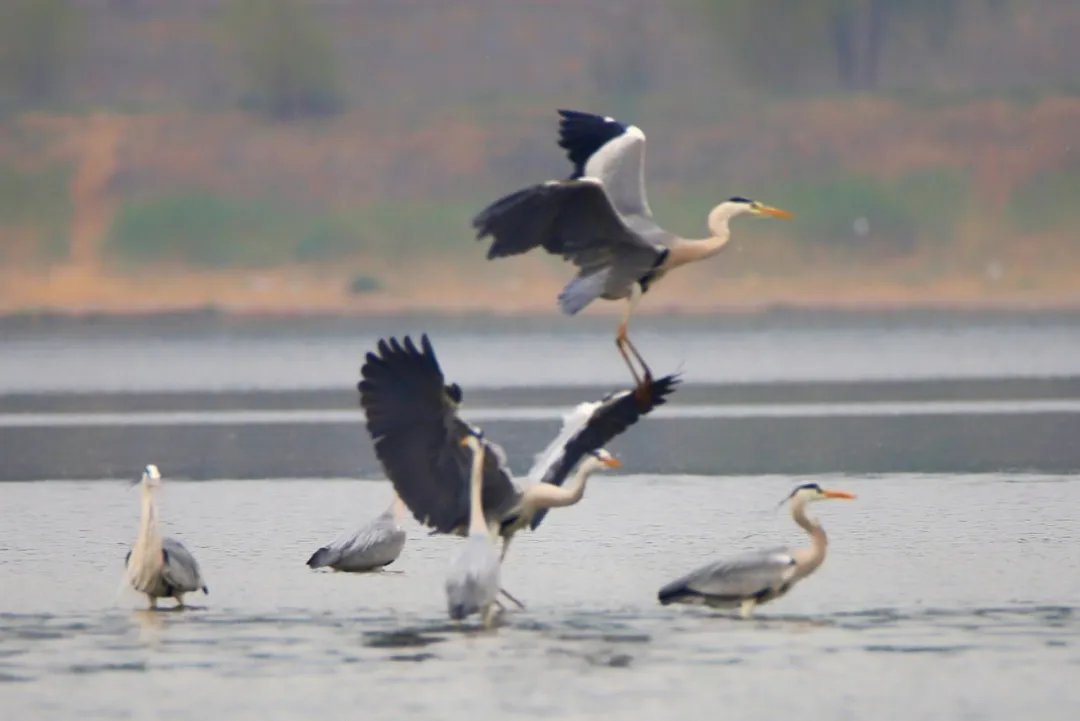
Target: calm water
pixel 222 355
pixel 943 597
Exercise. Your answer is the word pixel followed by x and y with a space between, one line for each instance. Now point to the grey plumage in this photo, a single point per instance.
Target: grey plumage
pixel 372 546
pixel 761 575
pixel 472 583
pixel 160 567
pixel 752 578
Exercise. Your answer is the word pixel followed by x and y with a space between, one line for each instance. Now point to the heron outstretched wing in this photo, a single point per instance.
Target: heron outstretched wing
pixel 613 152
pixel 736 578
pixel 591 426
pixel 576 220
pixel 412 419
pixel 180 570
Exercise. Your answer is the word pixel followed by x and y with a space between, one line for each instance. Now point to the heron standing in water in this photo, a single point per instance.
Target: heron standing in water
pixel 599 219
pixel 760 576
pixel 472 585
pixel 374 546
pixel 160 567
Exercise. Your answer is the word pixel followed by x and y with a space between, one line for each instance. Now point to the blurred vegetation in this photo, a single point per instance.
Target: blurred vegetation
pixel 786 44
pixel 1048 201
pixel 285 61
pixel 39 40
pixel 201 228
pixel 37 203
pixel 865 215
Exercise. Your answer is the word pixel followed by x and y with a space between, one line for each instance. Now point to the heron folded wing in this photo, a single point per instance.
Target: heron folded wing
pixel 735 578
pixel 180 571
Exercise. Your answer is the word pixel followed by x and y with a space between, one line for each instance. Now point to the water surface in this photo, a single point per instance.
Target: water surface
pixel 944 596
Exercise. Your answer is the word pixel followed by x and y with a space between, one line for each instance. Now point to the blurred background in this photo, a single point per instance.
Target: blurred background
pixel 327 155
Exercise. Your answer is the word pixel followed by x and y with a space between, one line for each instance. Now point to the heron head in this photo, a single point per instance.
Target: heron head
pixel 472 439
pixel 808 492
pixel 753 207
pixel 151 477
pixel 605 458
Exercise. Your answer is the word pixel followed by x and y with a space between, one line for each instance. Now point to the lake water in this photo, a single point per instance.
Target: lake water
pixel 942 597
pixel 951 590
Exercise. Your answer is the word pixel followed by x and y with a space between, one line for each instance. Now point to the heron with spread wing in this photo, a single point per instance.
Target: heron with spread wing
pixel 412 417
pixel 599 219
pixel 759 576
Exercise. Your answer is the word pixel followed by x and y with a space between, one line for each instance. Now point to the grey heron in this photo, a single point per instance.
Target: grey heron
pixel 599 218
pixel 159 567
pixel 412 417
pixel 746 580
pixel 472 584
pixel 375 545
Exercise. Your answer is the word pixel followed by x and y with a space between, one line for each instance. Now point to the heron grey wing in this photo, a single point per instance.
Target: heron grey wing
pixel 354 547
pixel 376 544
pixel 608 419
pixel 412 419
pixel 613 152
pixel 739 577
pixel 180 571
pixel 571 218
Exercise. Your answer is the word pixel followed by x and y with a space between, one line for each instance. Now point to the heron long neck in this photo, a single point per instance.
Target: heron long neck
pixel 398 509
pixel 547 495
pixel 477 523
pixel 810 558
pixel 685 251
pixel 149 535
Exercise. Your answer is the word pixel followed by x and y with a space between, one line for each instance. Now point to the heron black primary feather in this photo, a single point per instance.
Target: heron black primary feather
pixel 582 134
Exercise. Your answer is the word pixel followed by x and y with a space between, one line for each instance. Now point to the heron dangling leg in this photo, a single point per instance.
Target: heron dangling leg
pixel 622 342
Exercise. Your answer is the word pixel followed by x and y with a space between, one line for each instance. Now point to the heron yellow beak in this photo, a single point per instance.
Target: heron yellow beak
pixel 611 462
pixel 774 212
pixel 840 494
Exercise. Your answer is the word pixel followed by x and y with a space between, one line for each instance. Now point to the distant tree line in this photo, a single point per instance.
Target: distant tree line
pixel 284 60
pixel 778 42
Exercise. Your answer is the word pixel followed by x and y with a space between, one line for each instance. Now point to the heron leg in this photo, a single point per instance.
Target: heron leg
pixel 153 602
pixel 490 613
pixel 746 610
pixel 513 600
pixel 622 342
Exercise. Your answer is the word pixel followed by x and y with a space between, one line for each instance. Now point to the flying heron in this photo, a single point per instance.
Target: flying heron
pixel 472 584
pixel 759 576
pixel 372 546
pixel 412 417
pixel 599 218
pixel 159 567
